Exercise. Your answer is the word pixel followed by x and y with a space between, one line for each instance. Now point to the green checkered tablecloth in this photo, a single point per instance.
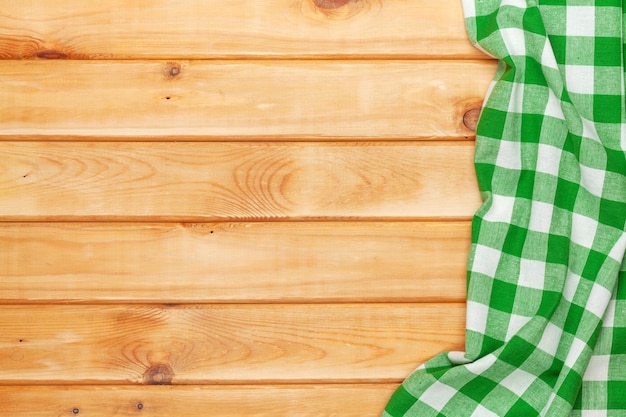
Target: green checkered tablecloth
pixel 546 303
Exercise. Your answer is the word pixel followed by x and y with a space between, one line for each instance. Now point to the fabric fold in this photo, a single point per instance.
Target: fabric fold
pixel 546 302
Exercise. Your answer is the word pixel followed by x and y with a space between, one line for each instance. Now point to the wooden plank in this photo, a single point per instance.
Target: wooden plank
pixel 196 401
pixel 200 344
pixel 233 99
pixel 244 28
pixel 196 181
pixel 234 262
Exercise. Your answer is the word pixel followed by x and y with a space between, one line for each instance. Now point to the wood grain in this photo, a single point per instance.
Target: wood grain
pixel 242 208
pixel 210 28
pixel 234 262
pixel 196 401
pixel 256 100
pixel 201 344
pixel 244 181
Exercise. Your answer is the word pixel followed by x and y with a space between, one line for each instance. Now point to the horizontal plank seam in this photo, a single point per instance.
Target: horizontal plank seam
pixel 184 303
pixel 170 223
pixel 207 219
pixel 358 384
pixel 273 139
pixel 285 142
pixel 265 58
pixel 365 382
pixel 190 305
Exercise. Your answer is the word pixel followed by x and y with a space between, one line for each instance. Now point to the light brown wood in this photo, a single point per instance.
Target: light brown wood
pixel 210 181
pixel 233 262
pixel 262 205
pixel 201 344
pixel 211 28
pixel 196 401
pixel 253 100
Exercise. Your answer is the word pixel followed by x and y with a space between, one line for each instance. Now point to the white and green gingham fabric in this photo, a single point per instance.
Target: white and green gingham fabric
pixel 546 302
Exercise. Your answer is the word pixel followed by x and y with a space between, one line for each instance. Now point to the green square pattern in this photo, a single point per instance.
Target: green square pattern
pixel 546 299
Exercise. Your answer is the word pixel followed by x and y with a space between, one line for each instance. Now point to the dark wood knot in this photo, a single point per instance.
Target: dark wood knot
pixel 470 119
pixel 172 70
pixel 51 54
pixel 331 4
pixel 159 374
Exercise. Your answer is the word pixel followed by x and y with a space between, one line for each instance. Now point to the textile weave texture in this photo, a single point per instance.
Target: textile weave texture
pixel 546 302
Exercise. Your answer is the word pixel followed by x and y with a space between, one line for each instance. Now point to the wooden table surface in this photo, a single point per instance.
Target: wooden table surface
pixel 240 208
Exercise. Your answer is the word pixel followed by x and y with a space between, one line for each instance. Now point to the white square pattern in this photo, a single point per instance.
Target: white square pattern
pixel 594 413
pixel 518 381
pixel 516 322
pixel 550 339
pixel 476 317
pixel 575 351
pixel 572 282
pixel 486 260
pixel 592 180
pixel 589 129
pixel 598 300
pixel 438 395
pixel 553 106
pixel 598 368
pixel 532 274
pixel 579 78
pixel 481 411
pixel 617 252
pixel 583 230
pixel 540 217
pixel 516 100
pixel 609 315
pixel 509 155
pixel 548 59
pixel 480 366
pixel 548 159
pixel 514 41
pixel 580 21
pixel 469 8
pixel 501 209
pixel 515 3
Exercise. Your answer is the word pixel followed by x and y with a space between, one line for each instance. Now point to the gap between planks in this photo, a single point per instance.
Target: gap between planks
pixel 276 139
